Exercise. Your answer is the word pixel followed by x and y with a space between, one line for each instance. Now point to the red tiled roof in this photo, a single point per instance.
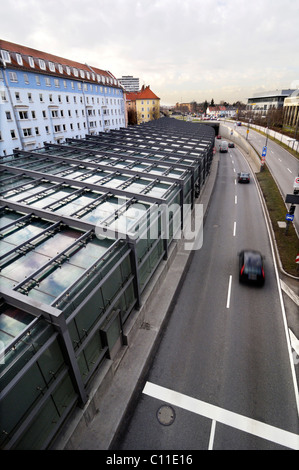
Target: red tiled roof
pixel 26 52
pixel 144 94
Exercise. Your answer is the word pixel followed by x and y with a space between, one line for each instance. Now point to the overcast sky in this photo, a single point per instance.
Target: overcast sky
pixel 184 49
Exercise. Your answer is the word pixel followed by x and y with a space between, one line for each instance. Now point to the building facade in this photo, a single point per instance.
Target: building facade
pixel 129 83
pixel 45 98
pixel 263 102
pixel 291 111
pixel 145 104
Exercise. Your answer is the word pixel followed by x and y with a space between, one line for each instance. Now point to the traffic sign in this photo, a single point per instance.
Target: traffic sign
pixel 297 258
pixel 296 183
pixel 290 217
pixel 264 152
pixel 292 198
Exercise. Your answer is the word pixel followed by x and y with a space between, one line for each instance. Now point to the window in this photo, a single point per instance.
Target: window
pixel 8 115
pixel 41 97
pixel 33 114
pixel 70 113
pixel 75 72
pixel 30 97
pixel 17 95
pixel 47 129
pixel 13 76
pixel 42 64
pixel 48 81
pixel 27 132
pixel 68 70
pixel 54 113
pixel 64 84
pixel 56 82
pixel 13 134
pixel 82 74
pixel 57 128
pixel 59 98
pixel 67 99
pixel 19 59
pixel 3 96
pixel 23 114
pixel 60 68
pixel 51 98
pixel 31 62
pixel 37 79
pixel 5 56
pixel 44 114
pixel 36 131
pixel 51 66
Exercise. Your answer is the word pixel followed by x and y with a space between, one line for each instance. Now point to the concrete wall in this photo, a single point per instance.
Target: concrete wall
pixel 229 133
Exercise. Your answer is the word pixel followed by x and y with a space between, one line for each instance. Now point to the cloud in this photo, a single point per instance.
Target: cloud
pixel 180 49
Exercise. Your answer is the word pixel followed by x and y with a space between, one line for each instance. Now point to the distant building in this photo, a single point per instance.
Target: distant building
pixel 262 102
pixel 221 111
pixel 129 83
pixel 291 110
pixel 45 98
pixel 144 104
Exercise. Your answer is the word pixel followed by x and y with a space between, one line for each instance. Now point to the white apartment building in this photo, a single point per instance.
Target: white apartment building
pixel 45 98
pixel 129 83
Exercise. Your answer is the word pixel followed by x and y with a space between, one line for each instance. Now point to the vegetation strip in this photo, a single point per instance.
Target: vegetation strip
pixel 287 241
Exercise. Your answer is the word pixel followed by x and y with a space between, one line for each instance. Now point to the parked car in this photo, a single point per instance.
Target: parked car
pixel 231 145
pixel 243 177
pixel 239 124
pixel 218 136
pixel 251 267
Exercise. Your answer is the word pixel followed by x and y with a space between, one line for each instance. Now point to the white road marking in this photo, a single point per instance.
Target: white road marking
pixel 235 226
pixel 236 199
pixel 294 342
pixel 229 418
pixel 289 170
pixel 289 292
pixel 212 435
pixel 229 291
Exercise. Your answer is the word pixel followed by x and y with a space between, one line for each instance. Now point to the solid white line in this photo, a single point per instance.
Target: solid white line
pixel 235 225
pixel 229 418
pixel 283 312
pixel 229 291
pixel 236 199
pixel 212 435
pixel 289 170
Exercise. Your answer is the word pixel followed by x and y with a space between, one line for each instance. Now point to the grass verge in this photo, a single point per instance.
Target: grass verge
pixel 287 243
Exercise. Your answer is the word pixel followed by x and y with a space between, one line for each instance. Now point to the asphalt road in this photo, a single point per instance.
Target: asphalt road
pixel 283 165
pixel 222 377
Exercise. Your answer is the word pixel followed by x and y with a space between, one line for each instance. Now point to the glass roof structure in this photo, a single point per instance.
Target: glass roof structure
pixel 77 248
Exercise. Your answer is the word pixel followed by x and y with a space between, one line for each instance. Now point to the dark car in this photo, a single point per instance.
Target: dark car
pixel 231 145
pixel 218 136
pixel 251 267
pixel 243 177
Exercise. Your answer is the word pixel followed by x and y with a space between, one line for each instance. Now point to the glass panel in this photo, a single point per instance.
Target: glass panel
pixel 43 425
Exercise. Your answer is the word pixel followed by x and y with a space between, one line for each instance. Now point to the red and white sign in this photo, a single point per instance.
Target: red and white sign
pixel 297 258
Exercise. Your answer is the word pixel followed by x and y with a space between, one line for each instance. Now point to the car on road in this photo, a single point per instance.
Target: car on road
pixel 243 177
pixel 223 147
pixel 218 136
pixel 251 267
pixel 231 145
